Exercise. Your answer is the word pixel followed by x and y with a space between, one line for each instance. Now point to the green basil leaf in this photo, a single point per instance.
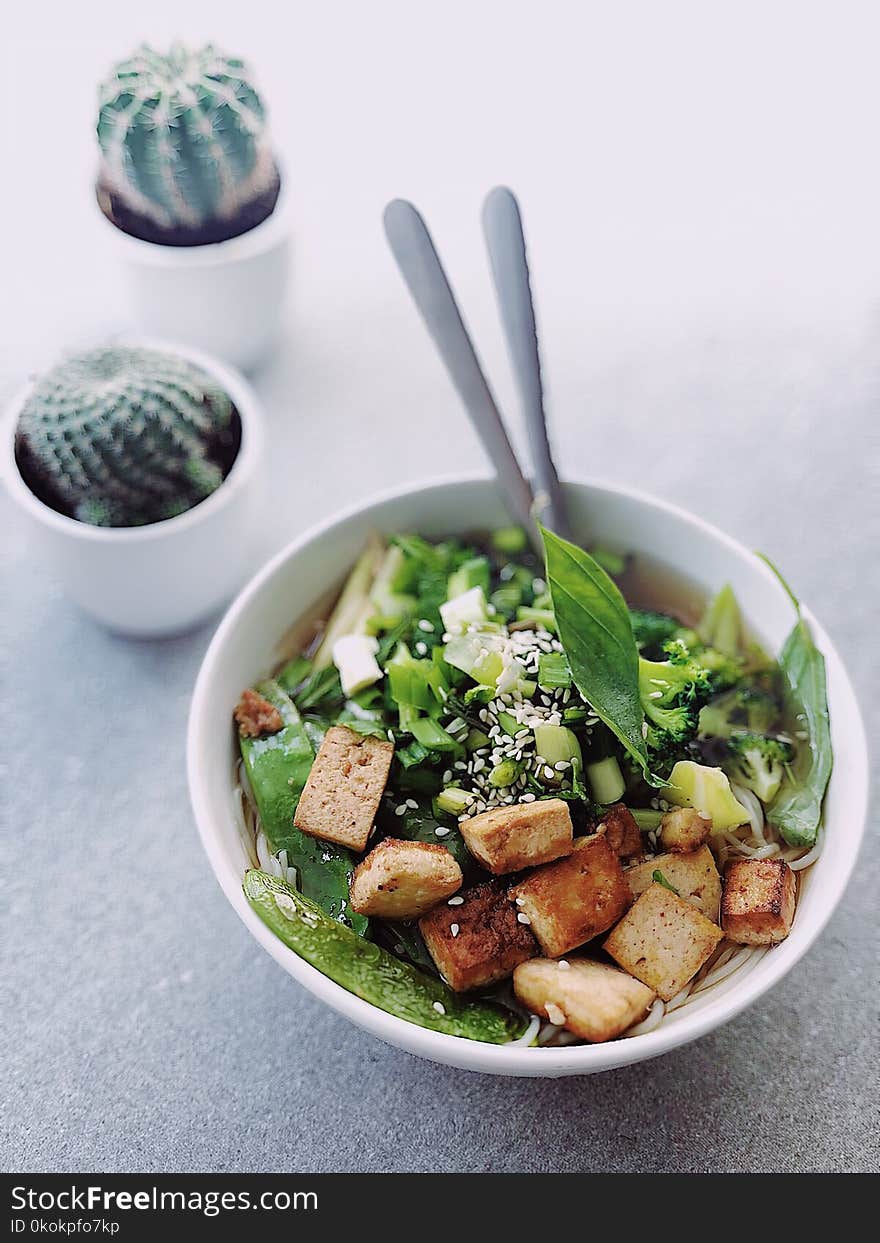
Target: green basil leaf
pixel 595 631
pixel 797 809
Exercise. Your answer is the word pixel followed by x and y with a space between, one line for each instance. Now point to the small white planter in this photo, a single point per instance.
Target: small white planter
pixel 166 577
pixel 224 298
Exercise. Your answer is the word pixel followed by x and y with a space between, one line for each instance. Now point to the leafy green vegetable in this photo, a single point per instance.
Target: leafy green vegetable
pixel 420 825
pixel 371 972
pixel 659 879
pixel 797 809
pixel 595 630
pixel 321 691
pixel 277 767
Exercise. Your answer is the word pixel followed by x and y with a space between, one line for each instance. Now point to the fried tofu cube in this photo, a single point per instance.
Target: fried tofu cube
pixel 694 875
pixel 477 941
pixel 663 941
pixel 575 899
pixel 592 999
pixel 510 838
pixel 403 880
pixel 683 829
pixel 759 900
pixel 341 797
pixel 623 834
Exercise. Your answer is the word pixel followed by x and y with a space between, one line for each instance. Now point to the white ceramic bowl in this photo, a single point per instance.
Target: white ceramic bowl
pixel 246 646
pixel 224 298
pixel 166 577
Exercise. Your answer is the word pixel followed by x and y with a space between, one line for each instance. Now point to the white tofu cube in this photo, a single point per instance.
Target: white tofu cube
pixel 468 609
pixel 592 999
pixel 354 655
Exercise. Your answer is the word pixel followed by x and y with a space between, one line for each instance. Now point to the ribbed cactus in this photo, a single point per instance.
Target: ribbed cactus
pixel 121 437
pixel 184 146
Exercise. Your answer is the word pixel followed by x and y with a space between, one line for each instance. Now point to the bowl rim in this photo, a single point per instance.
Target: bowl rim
pixel 458 1051
pixel 249 410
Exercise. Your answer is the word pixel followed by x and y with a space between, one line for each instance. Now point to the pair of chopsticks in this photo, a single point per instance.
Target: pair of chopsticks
pixel 420 265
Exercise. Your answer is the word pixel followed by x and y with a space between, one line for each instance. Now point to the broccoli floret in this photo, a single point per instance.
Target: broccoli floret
pixel 651 630
pixel 672 692
pixel 758 762
pixel 744 709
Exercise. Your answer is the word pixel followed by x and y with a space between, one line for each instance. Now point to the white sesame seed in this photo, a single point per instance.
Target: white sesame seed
pixel 441 830
pixel 562 765
pixel 563 965
pixel 523 918
pixel 447 776
pixel 421 648
pixel 454 929
pixel 456 901
pixel 520 901
pixel 400 810
pixel 427 626
pixel 548 772
pixel 528 798
pixel 439 1007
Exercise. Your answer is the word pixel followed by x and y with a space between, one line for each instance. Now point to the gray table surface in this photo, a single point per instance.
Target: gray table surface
pixel 143 1029
pixel 702 206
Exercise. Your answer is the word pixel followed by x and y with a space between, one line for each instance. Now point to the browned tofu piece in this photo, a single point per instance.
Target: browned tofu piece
pixel 478 941
pixel 573 900
pixel 592 999
pixel 694 875
pixel 341 797
pixel 759 900
pixel 621 830
pixel 508 839
pixel 403 880
pixel 663 941
pixel 683 829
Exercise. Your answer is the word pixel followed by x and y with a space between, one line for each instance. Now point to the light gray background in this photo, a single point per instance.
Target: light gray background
pixel 702 197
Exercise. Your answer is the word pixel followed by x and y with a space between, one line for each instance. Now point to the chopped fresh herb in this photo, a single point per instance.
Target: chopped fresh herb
pixel 659 879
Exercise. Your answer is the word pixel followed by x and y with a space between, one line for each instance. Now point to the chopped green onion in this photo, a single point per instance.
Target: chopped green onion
pixel 510 541
pixel 472 573
pixel 553 672
pixel 453 801
pixel 606 780
pixel 432 735
pixel 505 773
pixel 538 617
pixel 659 879
pixel 646 818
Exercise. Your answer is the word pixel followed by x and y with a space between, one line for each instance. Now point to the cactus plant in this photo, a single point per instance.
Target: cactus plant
pixel 185 154
pixel 126 436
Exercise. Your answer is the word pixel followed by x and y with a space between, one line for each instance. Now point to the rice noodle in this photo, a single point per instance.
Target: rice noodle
pixel 528 1035
pixel 753 806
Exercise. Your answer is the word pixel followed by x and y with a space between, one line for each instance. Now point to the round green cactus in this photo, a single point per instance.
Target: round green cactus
pixel 184 145
pixel 122 437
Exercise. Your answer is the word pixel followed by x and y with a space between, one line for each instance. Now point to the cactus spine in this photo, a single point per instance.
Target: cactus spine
pixel 184 144
pixel 124 436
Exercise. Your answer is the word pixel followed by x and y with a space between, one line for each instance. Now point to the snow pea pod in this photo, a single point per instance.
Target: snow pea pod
pixel 277 767
pixel 369 971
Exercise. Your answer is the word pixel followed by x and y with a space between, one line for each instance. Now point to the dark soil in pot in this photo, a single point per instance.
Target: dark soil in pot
pixel 216 230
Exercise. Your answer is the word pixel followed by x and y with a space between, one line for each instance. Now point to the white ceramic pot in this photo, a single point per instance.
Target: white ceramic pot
pixel 166 577
pixel 247 645
pixel 225 298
